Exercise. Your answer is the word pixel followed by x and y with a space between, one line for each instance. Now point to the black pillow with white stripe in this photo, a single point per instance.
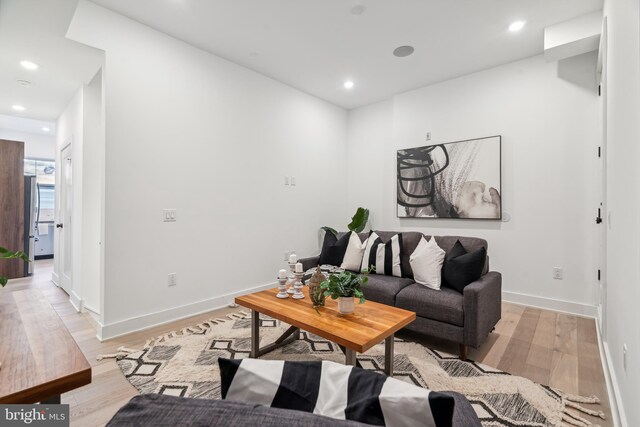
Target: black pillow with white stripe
pixel 334 390
pixel 384 257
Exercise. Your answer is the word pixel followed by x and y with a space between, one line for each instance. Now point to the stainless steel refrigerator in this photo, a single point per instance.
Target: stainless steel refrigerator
pixel 30 214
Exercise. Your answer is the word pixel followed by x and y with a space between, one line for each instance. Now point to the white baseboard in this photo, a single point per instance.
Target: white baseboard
pixel 613 389
pixel 140 323
pixel 76 301
pixel 55 279
pixel 551 304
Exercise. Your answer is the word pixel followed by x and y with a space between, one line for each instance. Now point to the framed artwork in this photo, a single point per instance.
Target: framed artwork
pixel 461 179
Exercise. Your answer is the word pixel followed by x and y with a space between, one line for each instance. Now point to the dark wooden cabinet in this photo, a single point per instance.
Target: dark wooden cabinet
pixel 12 205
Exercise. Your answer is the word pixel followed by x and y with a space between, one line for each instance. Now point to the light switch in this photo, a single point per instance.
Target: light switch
pixel 286 180
pixel 293 180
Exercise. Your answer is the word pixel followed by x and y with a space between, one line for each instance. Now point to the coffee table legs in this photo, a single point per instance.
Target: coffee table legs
pixel 388 355
pixel 255 334
pixel 350 357
pixel 291 334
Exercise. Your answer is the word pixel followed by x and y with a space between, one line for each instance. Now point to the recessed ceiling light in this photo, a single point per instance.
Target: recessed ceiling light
pixel 403 51
pixel 24 83
pixel 516 26
pixel 348 84
pixel 357 10
pixel 29 65
pixel 18 107
pixel 45 129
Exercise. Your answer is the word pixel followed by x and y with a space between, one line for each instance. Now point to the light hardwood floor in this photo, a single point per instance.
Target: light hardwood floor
pixel 551 348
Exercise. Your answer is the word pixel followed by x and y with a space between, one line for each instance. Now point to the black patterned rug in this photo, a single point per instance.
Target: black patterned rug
pixel 184 363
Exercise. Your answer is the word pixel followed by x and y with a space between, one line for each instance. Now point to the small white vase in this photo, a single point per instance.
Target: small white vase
pixel 346 305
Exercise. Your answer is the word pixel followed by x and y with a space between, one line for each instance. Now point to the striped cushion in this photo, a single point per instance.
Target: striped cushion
pixel 384 257
pixel 334 390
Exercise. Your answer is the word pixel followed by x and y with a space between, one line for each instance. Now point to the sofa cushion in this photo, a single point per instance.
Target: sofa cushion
pixel 383 289
pixel 471 244
pixel 426 262
pixel 383 258
pixel 410 240
pixel 334 390
pixel 333 249
pixel 445 305
pixel 462 268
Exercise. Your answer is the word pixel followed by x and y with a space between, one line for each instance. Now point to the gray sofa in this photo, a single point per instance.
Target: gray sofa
pixel 155 410
pixel 464 318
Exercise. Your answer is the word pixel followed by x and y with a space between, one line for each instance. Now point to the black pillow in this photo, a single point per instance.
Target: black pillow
pixel 334 390
pixel 333 249
pixel 461 267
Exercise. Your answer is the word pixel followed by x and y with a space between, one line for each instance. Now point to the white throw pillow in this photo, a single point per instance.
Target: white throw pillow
pixel 353 256
pixel 426 262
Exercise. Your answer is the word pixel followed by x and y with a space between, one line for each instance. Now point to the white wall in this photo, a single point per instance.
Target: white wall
pixel 547 114
pixel 191 131
pixel 36 146
pixel 70 130
pixel 623 242
pixel 92 193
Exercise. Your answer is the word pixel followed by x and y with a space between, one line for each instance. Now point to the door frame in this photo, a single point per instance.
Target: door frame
pixel 602 228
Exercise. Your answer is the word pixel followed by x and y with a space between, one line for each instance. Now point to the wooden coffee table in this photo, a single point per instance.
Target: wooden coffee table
pixel 367 326
pixel 40 359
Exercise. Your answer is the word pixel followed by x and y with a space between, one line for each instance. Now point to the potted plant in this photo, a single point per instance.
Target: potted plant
pixel 7 254
pixel 345 287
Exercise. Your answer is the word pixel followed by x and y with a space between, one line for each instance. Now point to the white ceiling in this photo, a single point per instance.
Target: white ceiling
pixel 315 45
pixel 34 30
pixel 22 124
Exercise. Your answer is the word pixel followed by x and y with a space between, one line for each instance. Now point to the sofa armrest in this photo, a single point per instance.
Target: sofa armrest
pixel 482 307
pixel 309 262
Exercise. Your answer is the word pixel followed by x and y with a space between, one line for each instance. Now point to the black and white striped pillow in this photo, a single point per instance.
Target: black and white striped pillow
pixel 334 390
pixel 385 257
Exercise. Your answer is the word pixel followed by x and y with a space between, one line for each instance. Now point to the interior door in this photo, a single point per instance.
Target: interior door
pixel 65 229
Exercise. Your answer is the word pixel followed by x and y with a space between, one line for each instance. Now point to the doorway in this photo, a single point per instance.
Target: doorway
pixel 64 225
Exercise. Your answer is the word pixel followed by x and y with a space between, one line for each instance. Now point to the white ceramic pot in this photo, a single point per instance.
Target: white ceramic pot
pixel 346 305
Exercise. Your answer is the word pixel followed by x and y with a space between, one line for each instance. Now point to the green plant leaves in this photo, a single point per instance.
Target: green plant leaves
pixel 7 254
pixel 344 284
pixel 359 220
pixel 330 230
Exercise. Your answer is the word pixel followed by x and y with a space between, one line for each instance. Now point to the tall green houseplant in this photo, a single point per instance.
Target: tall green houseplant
pixel 357 224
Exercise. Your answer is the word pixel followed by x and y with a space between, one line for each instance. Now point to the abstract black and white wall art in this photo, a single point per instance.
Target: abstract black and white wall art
pixel 453 180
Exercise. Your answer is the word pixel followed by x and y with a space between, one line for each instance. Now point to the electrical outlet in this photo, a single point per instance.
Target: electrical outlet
pixel 624 357
pixel 428 136
pixel 557 273
pixel 286 256
pixel 169 215
pixel 172 279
